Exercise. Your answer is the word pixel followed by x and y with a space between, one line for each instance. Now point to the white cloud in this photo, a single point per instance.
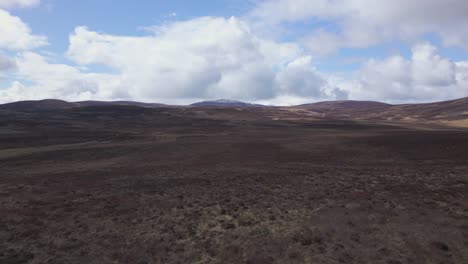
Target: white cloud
pixel 430 69
pixel 362 23
pixel 200 58
pixel 14 93
pixel 16 35
pixel 426 76
pixel 299 79
pixel 18 3
pixel 62 81
pixel 203 58
pixel 322 43
pixel 6 63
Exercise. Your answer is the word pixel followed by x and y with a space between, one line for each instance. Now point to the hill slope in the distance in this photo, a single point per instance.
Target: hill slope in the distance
pixel 454 112
pixel 53 104
pixel 225 103
pixel 123 103
pixel 48 104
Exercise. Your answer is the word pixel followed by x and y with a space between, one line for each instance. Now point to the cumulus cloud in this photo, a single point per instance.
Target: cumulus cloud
pixel 18 3
pixel 321 42
pixel 200 58
pixel 203 58
pixel 299 79
pixel 16 35
pixel 362 23
pixel 426 76
pixel 50 80
pixel 430 69
pixel 6 63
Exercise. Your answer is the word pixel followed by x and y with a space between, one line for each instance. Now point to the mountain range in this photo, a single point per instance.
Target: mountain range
pixel 454 112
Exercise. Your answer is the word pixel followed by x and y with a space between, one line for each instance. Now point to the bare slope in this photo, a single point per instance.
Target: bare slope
pixel 454 112
pixel 125 184
pixel 38 105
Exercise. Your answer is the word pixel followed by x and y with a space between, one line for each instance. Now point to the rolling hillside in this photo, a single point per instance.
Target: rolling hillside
pixel 453 113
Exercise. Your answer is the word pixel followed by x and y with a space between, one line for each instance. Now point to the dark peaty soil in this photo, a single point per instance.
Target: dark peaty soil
pixel 134 185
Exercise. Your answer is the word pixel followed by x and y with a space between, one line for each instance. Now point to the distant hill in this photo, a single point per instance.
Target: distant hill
pixel 122 103
pixel 225 103
pixel 51 104
pixel 345 108
pixel 453 112
pixel 47 104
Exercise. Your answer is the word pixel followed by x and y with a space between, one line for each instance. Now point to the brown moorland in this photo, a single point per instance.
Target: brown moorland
pixel 305 184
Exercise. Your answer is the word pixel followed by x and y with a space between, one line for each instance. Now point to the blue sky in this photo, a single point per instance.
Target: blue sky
pixel 57 19
pixel 268 51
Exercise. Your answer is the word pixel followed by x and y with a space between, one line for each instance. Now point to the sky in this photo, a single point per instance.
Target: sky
pixel 277 52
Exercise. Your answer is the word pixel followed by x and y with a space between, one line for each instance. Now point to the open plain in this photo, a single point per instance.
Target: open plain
pixel 126 184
